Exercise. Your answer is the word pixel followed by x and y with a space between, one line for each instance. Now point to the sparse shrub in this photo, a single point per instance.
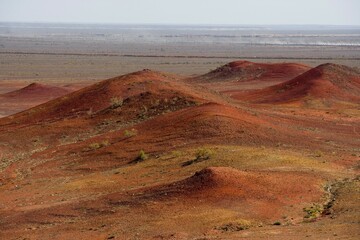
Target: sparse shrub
pixel 130 133
pixel 94 146
pixel 277 223
pixel 142 156
pixel 201 154
pixel 235 226
pixel 204 154
pixel 116 102
pixel 313 212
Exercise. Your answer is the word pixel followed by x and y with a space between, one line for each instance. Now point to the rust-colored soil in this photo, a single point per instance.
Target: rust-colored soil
pixel 37 90
pixel 327 83
pixel 238 76
pixel 249 71
pixel 29 96
pixel 151 155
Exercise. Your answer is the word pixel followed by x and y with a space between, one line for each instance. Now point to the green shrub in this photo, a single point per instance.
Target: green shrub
pixel 142 156
pixel 235 226
pixel 203 154
pixel 130 133
pixel 314 211
pixel 94 146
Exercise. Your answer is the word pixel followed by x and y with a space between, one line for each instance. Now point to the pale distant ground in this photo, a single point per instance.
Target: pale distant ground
pixel 63 54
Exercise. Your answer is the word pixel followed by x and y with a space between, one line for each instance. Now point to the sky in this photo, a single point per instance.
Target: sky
pixel 237 12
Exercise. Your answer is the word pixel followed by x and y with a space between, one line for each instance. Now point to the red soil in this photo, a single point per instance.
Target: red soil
pixel 29 96
pixel 325 82
pixel 219 183
pixel 254 195
pixel 248 71
pixel 136 91
pixel 69 164
pixel 210 123
pixel 36 91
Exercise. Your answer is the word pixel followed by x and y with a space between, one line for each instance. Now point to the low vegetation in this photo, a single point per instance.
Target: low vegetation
pixel 142 156
pixel 204 153
pixel 116 102
pixel 201 154
pixel 130 133
pixel 235 226
pixel 95 146
pixel 313 212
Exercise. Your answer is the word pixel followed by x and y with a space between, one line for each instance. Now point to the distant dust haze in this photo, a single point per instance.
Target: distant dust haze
pixel 319 12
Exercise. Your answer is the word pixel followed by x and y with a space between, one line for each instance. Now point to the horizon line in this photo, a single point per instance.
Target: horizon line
pixel 174 24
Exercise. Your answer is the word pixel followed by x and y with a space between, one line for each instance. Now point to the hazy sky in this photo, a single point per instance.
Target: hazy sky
pixel 330 12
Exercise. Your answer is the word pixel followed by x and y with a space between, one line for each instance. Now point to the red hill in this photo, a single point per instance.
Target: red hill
pixel 209 123
pixel 132 94
pixel 29 96
pixel 327 82
pixel 36 91
pixel 247 71
pixel 256 193
pixel 217 182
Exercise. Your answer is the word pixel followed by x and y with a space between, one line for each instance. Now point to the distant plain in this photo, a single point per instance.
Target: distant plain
pixel 63 52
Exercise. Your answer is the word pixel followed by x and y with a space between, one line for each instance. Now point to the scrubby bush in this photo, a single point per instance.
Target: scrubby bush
pixel 204 154
pixel 130 133
pixel 314 211
pixel 201 154
pixel 94 146
pixel 116 102
pixel 142 156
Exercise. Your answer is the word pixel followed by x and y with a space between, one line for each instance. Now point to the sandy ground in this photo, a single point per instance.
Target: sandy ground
pixel 64 68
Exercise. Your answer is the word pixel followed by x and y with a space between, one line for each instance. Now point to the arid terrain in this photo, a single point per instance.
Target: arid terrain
pixel 226 133
pixel 248 150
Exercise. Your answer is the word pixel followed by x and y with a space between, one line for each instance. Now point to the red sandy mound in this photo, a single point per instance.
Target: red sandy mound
pixel 217 182
pixel 255 193
pixel 138 91
pixel 246 71
pixel 208 122
pixel 28 97
pixel 36 91
pixel 325 82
